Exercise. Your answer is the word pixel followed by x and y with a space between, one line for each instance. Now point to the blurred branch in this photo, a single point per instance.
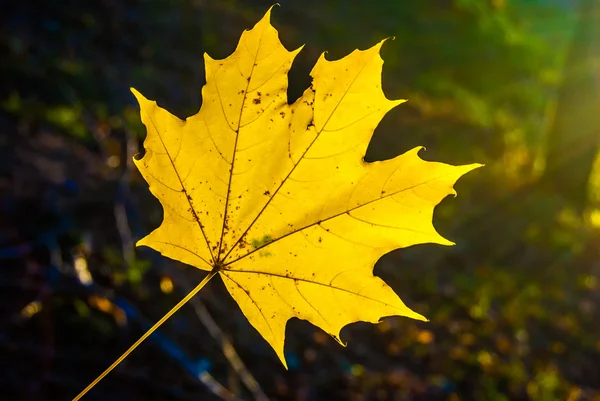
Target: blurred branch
pixel 128 250
pixel 201 311
pixel 77 358
pixel 49 240
pixel 120 211
pixel 228 349
pixel 194 369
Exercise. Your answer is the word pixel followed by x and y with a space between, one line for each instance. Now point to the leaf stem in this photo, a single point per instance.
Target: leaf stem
pixel 147 334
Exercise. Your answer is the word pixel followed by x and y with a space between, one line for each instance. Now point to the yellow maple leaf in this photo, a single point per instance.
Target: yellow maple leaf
pixel 277 200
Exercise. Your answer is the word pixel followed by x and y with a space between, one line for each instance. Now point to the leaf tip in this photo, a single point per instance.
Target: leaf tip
pixel 409 313
pixel 267 17
pixel 418 316
pixel 470 167
pixel 398 102
pixel 443 241
pixel 339 340
pixel 379 45
pixel 283 361
pixel 140 98
pixel 298 50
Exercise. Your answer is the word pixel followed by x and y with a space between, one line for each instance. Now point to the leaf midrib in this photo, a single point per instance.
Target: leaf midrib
pixel 293 168
pixel 217 258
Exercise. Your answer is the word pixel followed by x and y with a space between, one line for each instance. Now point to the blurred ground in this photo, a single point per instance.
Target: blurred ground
pixel 514 307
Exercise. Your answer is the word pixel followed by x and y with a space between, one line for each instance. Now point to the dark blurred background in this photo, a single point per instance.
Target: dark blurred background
pixel 514 307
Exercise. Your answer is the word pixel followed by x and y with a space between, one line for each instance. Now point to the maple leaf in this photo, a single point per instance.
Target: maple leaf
pixel 277 200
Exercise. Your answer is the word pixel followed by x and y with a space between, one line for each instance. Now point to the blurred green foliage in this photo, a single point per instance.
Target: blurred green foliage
pixel 514 307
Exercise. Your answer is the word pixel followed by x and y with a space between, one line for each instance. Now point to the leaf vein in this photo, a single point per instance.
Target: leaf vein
pixel 281 276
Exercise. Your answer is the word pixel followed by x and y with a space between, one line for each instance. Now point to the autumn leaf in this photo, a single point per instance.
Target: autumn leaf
pixel 277 199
